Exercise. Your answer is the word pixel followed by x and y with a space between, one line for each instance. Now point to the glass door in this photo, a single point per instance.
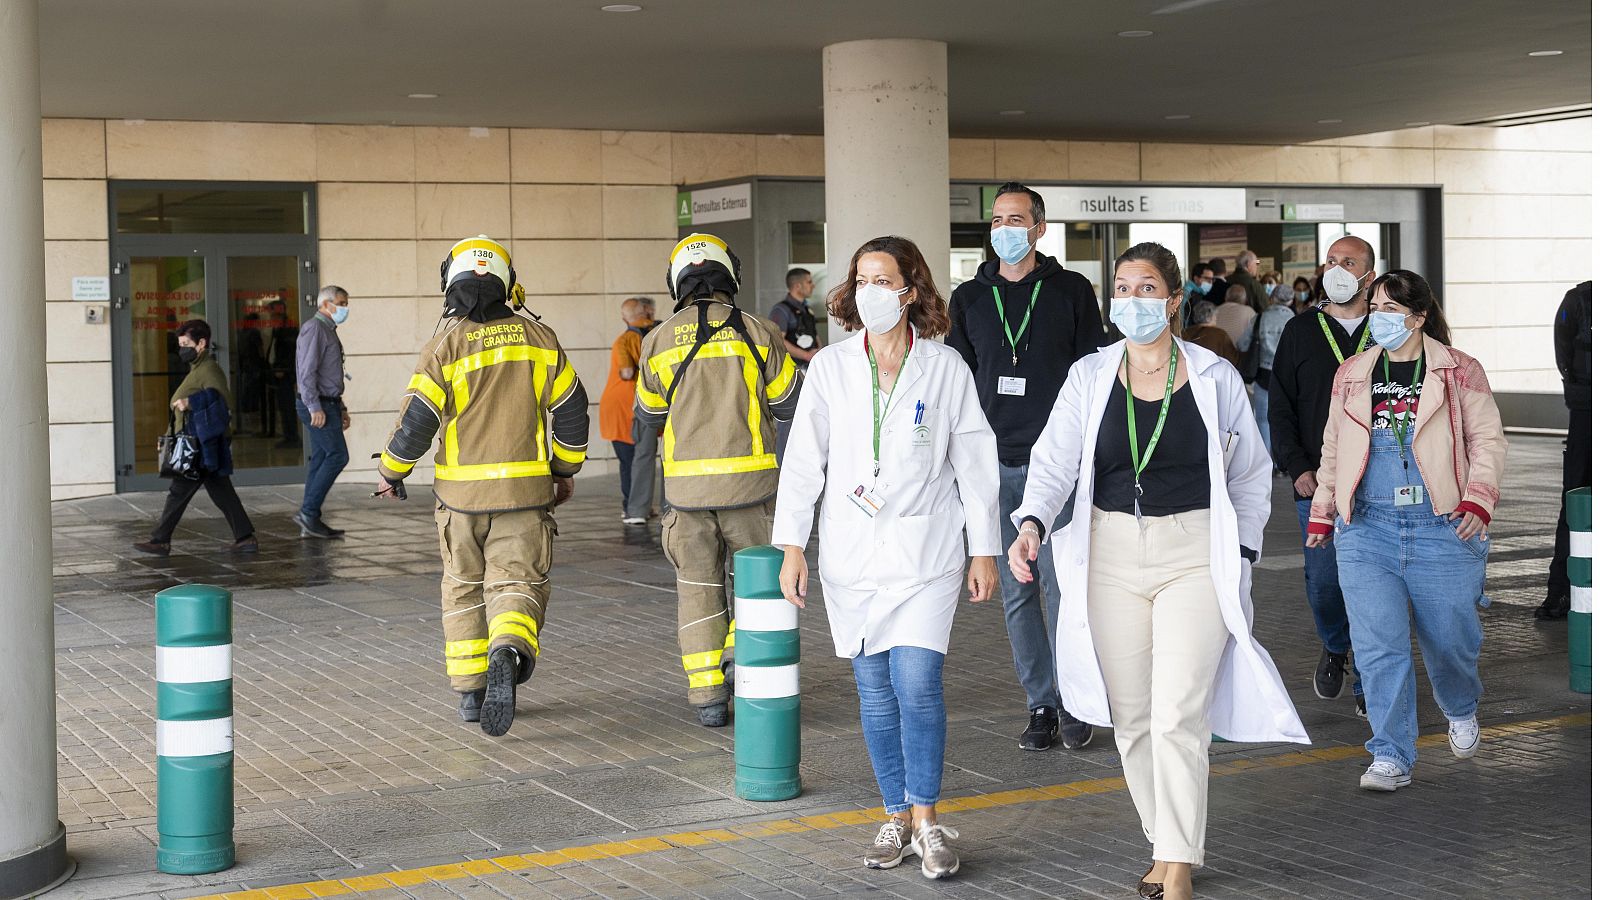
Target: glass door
pixel 163 293
pixel 263 326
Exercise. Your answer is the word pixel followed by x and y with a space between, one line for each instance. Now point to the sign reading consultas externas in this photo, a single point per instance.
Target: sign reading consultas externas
pixel 1144 204
pixel 728 203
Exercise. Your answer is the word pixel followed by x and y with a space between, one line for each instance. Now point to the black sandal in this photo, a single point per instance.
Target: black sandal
pixel 1151 890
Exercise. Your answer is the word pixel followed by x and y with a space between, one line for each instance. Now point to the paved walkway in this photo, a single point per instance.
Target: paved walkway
pixel 354 776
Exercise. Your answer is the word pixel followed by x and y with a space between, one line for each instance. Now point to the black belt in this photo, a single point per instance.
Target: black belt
pixel 339 399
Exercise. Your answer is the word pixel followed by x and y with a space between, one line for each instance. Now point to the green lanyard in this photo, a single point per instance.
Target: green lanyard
pixel 1000 307
pixel 1327 332
pixel 1401 428
pixel 878 404
pixel 1139 464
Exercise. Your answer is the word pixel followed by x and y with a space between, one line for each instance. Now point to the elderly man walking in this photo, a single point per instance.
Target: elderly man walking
pixel 319 386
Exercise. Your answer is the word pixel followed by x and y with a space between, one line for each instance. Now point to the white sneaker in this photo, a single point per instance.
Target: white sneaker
pixel 632 520
pixel 1464 737
pixel 1384 775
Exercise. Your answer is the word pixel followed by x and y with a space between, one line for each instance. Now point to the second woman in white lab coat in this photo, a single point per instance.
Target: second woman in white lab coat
pixel 888 427
pixel 1173 487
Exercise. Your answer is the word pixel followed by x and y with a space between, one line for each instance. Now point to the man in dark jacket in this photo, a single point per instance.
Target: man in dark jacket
pixel 1574 340
pixel 1245 268
pixel 1312 347
pixel 1020 324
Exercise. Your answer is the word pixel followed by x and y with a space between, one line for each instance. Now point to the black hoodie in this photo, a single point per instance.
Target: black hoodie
pixel 1065 328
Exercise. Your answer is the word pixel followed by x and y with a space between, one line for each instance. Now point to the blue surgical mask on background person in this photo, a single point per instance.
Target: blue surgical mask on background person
pixel 340 313
pixel 1010 243
pixel 1300 296
pixel 879 307
pixel 1141 321
pixel 1205 288
pixel 1389 329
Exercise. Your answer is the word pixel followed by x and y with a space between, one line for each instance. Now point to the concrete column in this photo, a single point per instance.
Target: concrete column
pixel 33 846
pixel 886 124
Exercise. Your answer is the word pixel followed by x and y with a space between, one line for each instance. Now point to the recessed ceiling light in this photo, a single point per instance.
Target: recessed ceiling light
pixel 1417 124
pixel 423 96
pixel 1013 112
pixel 1329 121
pixel 1545 53
pixel 1176 117
pixel 621 7
pixel 1135 33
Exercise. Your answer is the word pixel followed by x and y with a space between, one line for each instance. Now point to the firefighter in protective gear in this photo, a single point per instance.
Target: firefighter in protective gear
pixel 716 378
pixel 515 427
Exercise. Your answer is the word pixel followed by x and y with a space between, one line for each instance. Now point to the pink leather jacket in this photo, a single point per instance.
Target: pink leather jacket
pixel 1459 446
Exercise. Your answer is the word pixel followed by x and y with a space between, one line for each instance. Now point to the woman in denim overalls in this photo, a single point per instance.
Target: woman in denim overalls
pixel 1408 482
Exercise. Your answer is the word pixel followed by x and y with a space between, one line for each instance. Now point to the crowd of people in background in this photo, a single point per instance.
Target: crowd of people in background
pixel 1125 474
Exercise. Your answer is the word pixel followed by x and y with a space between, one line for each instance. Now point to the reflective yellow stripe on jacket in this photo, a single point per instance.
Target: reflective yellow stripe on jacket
pixel 455 375
pixel 759 459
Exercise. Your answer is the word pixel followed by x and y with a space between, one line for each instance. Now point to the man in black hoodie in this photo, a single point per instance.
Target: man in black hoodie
pixel 1021 324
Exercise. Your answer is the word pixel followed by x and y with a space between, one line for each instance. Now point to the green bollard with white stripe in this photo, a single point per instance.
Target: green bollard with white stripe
pixel 1580 649
pixel 194 729
pixel 766 681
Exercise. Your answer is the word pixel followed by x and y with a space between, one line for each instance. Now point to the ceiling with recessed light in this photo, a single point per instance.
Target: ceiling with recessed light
pixel 1240 70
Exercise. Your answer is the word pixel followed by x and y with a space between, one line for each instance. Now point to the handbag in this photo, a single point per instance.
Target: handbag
pixel 178 453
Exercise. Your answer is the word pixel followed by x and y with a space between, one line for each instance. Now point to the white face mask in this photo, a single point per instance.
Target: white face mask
pixel 879 307
pixel 1340 285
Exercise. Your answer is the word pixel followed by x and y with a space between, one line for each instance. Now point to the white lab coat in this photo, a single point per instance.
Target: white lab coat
pixel 894 579
pixel 1250 703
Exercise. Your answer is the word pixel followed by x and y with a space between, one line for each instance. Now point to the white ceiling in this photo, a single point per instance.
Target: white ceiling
pixel 1244 70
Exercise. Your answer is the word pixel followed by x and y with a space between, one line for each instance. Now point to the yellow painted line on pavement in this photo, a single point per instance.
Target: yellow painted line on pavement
pixel 378 881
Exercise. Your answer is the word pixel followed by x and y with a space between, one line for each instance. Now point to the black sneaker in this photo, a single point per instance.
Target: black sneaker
pixel 1075 735
pixel 1043 725
pixel 471 705
pixel 1361 705
pixel 713 715
pixel 316 528
pixel 154 548
pixel 500 694
pixel 1328 680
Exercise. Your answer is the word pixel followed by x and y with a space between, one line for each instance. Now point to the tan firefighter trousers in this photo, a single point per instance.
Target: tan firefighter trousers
pixel 495 588
pixel 699 543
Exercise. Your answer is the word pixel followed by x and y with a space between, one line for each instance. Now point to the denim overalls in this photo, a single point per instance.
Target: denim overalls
pixel 1400 561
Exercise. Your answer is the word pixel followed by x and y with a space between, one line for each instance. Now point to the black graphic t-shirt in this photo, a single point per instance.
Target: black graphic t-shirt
pixel 1395 394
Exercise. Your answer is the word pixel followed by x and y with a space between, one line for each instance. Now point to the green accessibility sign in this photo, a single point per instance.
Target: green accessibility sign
pixel 728 203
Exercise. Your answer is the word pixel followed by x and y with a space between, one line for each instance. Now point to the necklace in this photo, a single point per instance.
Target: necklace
pixel 1149 371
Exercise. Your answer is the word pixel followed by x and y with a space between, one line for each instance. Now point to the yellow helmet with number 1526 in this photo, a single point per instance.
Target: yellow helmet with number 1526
pixel 702 265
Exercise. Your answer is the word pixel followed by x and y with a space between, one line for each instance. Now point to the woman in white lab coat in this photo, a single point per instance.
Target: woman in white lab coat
pixel 1154 630
pixel 888 426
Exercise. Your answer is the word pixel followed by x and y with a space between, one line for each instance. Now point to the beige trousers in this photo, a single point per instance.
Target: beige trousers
pixel 698 543
pixel 495 589
pixel 1159 634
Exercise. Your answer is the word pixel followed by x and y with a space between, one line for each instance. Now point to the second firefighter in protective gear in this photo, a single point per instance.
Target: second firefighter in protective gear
pixel 513 421
pixel 716 378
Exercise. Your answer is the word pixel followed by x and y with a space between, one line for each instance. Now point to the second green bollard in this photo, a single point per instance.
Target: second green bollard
pixel 1580 572
pixel 766 681
pixel 194 730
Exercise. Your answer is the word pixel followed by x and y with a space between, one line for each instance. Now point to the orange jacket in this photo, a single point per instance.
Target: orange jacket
pixel 1458 444
pixel 616 402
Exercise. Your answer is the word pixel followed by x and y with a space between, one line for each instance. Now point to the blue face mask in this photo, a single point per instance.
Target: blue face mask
pixel 1142 321
pixel 1389 330
pixel 1301 296
pixel 1205 288
pixel 1010 243
pixel 340 313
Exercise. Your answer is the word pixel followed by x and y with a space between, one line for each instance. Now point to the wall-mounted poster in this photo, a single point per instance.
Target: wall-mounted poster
pixel 1226 241
pixel 1299 252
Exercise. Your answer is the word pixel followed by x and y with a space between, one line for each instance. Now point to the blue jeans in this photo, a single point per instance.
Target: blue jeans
pixel 328 455
pixel 1258 402
pixel 624 451
pixel 1030 624
pixel 1399 563
pixel 1324 594
pixel 902 718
